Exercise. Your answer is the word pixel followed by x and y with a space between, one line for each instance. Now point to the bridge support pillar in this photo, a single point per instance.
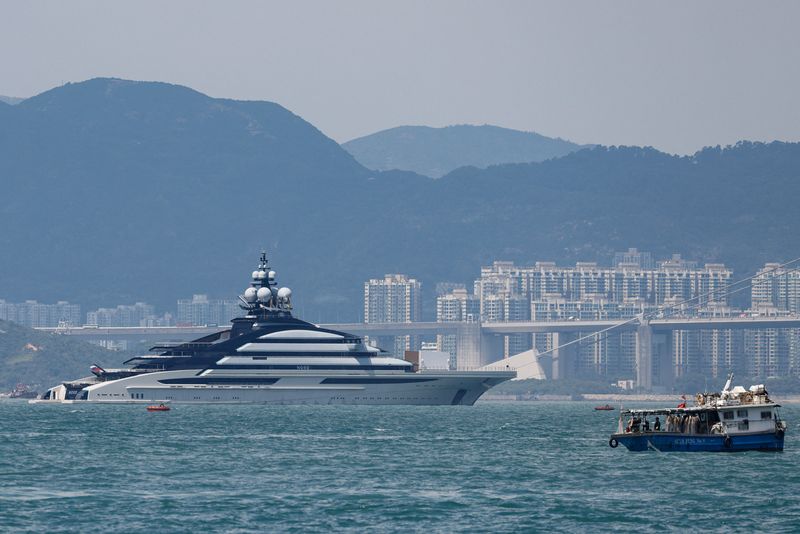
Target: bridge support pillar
pixel 663 358
pixel 564 357
pixel 468 346
pixel 644 356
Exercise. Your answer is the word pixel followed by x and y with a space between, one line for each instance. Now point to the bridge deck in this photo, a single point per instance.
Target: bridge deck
pixel 397 329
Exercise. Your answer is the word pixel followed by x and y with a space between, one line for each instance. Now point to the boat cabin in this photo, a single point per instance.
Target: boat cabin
pixel 699 420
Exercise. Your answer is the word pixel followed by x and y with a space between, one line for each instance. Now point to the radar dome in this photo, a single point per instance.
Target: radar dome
pixel 255 275
pixel 284 293
pixel 261 275
pixel 264 294
pixel 272 275
pixel 250 294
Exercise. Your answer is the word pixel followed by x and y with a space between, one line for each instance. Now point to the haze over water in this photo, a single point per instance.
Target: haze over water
pixel 501 467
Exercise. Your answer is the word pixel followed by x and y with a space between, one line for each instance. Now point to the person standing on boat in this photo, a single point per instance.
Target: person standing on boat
pixel 657 425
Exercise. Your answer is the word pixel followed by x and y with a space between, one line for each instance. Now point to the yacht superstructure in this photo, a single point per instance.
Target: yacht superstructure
pixel 269 356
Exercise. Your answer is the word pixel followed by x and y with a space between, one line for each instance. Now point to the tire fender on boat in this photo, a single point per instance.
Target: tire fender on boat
pixel 613 443
pixel 727 442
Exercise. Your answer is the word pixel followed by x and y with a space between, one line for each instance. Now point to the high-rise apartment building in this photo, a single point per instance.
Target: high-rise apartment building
pixel 200 310
pixel 455 306
pixel 395 298
pixel 139 314
pixel 634 258
pixel 775 290
pixel 34 314
pixel 503 294
pixel 674 280
pixel 586 291
pixel 778 287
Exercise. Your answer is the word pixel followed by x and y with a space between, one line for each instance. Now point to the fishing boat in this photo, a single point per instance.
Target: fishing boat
pixel 733 420
pixel 23 391
pixel 604 408
pixel 158 408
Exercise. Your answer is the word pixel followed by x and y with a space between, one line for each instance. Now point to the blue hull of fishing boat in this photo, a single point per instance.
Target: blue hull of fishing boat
pixel 664 442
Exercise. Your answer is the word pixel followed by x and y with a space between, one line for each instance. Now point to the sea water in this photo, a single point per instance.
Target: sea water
pixel 492 467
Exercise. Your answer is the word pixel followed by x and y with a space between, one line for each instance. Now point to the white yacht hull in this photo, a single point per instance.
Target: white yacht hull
pixel 423 388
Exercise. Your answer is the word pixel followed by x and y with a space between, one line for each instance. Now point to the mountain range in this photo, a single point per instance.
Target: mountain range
pixel 115 191
pixel 12 100
pixel 435 152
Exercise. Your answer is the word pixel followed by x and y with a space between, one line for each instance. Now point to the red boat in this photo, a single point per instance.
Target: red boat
pixel 604 408
pixel 158 408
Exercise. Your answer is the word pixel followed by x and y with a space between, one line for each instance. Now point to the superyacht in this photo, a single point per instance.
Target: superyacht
pixel 269 356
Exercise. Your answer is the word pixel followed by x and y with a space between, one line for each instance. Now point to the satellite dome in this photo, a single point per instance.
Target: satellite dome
pixel 250 294
pixel 284 293
pixel 272 275
pixel 264 294
pixel 255 275
pixel 261 275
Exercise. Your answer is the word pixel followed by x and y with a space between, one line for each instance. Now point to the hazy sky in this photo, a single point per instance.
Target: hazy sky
pixel 675 75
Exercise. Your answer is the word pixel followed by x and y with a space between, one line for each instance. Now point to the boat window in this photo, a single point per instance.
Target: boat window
pixel 744 425
pixel 741 413
pixel 727 415
pixel 766 415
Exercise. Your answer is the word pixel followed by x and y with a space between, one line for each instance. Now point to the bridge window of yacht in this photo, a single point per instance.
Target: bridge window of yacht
pixel 766 415
pixel 727 415
pixel 741 413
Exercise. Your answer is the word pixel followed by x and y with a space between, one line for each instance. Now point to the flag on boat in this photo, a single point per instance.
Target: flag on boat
pixel 96 369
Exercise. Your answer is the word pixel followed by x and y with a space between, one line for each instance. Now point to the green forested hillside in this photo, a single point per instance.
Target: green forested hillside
pixel 44 360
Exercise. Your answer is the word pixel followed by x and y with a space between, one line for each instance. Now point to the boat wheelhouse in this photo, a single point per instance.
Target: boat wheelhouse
pixel 733 420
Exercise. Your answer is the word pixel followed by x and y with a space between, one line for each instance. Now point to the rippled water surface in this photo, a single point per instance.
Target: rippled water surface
pixel 500 467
